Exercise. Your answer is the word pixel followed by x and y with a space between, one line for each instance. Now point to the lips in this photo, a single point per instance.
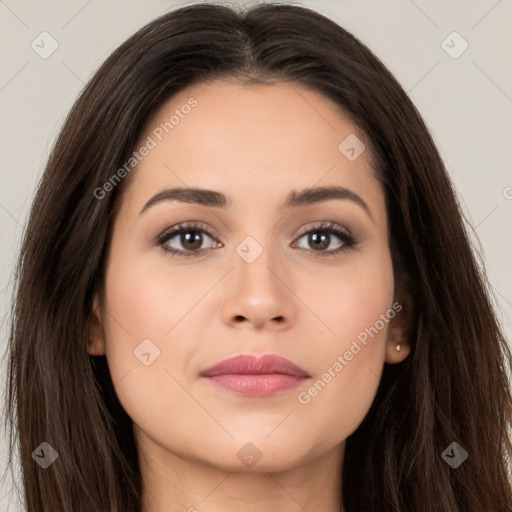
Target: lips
pixel 253 376
pixel 254 365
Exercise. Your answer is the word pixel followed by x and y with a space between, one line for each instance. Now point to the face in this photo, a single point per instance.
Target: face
pixel 256 273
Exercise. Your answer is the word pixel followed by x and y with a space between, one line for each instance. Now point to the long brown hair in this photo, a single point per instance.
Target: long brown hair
pixel 453 386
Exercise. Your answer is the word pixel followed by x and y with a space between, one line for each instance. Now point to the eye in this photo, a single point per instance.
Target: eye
pixel 321 237
pixel 189 239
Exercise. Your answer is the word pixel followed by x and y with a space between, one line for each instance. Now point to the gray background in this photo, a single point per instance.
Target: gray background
pixel 466 102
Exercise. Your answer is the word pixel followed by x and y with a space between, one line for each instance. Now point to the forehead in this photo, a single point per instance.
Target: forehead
pixel 253 142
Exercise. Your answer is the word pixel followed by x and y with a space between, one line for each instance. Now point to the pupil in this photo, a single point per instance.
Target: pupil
pixel 321 241
pixel 190 239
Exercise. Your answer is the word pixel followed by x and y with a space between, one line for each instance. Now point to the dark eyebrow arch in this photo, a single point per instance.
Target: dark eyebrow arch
pixel 316 195
pixel 211 198
pixel 190 195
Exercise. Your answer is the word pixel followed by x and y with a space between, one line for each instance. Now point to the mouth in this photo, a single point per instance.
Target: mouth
pixel 256 376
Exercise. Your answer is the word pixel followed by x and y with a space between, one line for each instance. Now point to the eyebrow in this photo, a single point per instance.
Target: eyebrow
pixel 211 198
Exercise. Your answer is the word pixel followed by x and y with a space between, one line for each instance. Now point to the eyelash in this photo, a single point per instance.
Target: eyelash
pixel 349 240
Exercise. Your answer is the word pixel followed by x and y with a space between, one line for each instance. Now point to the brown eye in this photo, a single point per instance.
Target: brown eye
pixel 320 238
pixel 191 240
pixel 186 240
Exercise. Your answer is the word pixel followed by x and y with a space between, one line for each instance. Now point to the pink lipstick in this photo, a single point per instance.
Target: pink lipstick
pixel 256 376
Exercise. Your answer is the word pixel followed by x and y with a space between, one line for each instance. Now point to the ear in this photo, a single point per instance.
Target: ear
pixel 400 331
pixel 96 343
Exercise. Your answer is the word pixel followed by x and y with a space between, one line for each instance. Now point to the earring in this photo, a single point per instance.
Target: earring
pixel 397 348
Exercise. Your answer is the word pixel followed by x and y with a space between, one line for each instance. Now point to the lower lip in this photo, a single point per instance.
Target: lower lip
pixel 257 385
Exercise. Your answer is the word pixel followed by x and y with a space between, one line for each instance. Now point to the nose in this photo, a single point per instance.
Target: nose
pixel 258 296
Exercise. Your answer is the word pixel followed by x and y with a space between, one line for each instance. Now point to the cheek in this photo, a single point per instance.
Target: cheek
pixel 355 309
pixel 150 299
pixel 350 297
pixel 148 336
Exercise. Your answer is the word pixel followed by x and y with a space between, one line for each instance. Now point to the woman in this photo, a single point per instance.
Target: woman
pixel 246 283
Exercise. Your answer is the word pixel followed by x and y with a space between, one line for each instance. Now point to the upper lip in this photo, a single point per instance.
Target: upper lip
pixel 255 365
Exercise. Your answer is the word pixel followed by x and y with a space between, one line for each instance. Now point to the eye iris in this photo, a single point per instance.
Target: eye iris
pixel 319 242
pixel 191 238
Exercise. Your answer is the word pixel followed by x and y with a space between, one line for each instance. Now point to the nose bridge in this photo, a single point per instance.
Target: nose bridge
pixel 256 291
pixel 255 263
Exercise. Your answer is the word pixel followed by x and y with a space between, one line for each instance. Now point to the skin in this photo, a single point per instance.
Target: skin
pixel 256 144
